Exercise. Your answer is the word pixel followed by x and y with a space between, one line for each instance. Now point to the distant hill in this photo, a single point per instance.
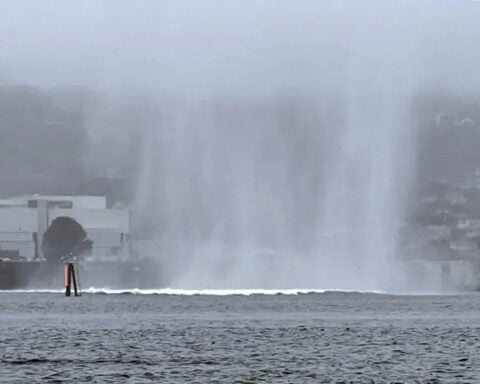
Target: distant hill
pixel 42 141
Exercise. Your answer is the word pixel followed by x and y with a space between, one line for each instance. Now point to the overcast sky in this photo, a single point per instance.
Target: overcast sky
pixel 245 45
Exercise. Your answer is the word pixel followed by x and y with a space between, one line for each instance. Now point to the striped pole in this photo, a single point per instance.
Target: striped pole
pixel 67 279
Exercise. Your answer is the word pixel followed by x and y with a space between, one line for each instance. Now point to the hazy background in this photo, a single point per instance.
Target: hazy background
pixel 260 143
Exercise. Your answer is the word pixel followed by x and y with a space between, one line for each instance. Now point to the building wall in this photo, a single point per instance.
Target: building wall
pixel 18 219
pixel 17 225
pixel 80 202
pixel 108 228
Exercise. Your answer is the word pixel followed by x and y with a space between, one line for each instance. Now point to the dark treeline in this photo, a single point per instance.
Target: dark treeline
pixel 43 141
pixel 45 145
pixel 75 141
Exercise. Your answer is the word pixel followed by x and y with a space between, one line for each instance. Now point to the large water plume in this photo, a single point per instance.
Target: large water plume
pixel 303 188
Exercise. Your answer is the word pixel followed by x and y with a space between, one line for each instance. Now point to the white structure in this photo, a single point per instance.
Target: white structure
pixel 442 275
pixel 24 220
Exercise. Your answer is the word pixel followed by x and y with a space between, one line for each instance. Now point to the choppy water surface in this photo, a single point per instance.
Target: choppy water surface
pixel 318 337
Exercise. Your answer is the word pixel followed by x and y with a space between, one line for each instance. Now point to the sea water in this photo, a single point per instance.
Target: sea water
pixel 251 336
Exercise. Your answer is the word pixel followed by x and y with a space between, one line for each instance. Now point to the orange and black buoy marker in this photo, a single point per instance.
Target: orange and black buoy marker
pixel 69 279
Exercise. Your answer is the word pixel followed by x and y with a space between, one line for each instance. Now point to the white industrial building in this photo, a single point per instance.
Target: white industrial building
pixel 24 220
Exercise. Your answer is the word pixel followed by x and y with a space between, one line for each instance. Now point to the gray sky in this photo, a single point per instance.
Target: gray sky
pixel 198 47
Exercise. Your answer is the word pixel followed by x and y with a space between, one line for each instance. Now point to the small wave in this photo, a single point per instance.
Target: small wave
pixel 32 291
pixel 193 292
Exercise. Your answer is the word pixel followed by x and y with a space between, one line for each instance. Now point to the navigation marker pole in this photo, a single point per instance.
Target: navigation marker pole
pixel 69 278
